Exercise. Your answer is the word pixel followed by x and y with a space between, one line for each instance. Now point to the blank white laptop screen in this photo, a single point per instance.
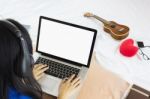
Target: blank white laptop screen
pixel 65 41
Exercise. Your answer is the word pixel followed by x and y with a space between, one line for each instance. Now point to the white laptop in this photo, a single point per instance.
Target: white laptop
pixel 66 48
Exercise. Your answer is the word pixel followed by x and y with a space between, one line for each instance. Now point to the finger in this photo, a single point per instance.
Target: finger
pixel 71 78
pixel 63 81
pixel 38 72
pixel 42 70
pixel 77 84
pixel 75 80
pixel 37 65
pixel 41 66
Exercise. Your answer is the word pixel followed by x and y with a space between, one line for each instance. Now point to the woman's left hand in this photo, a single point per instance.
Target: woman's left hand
pixel 38 70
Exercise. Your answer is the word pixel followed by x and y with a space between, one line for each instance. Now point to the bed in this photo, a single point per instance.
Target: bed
pixel 134 13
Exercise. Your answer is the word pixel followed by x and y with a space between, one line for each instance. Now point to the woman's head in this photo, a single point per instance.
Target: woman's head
pixel 24 62
pixel 11 54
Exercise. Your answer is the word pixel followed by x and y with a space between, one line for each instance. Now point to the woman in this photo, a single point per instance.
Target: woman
pixel 12 84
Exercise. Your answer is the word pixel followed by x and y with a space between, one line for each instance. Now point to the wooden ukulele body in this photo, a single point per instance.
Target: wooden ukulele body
pixel 116 30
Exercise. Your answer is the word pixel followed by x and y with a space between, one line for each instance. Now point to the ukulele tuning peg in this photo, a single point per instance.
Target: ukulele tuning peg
pixel 88 14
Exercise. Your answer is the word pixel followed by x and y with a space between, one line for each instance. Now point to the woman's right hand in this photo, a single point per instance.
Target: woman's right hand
pixel 68 87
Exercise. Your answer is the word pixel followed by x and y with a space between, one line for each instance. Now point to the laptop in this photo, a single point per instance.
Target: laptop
pixel 66 48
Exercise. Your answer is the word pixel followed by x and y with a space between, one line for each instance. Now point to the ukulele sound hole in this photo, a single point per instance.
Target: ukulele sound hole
pixel 113 26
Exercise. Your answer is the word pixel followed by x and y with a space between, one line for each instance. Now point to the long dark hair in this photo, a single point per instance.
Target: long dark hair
pixel 9 55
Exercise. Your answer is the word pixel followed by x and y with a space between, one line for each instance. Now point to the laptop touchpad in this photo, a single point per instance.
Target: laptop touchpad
pixel 50 84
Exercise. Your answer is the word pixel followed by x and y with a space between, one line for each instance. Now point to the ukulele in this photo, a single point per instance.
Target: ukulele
pixel 117 31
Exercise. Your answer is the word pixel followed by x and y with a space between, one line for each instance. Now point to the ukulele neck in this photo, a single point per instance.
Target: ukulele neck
pixel 101 19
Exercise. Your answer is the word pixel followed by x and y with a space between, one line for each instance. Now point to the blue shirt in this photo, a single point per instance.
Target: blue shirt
pixel 13 94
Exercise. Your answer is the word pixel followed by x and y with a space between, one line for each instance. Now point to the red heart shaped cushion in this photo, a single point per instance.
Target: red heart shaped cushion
pixel 127 48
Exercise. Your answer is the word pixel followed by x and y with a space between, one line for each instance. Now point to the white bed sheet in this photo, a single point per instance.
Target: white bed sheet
pixel 134 13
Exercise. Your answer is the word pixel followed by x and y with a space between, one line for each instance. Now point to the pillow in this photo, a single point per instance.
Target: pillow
pixel 102 84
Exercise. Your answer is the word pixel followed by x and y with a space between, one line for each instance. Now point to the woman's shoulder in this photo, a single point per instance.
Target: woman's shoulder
pixel 13 94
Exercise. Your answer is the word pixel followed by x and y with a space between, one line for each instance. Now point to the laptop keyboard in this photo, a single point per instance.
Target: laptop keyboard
pixel 58 69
